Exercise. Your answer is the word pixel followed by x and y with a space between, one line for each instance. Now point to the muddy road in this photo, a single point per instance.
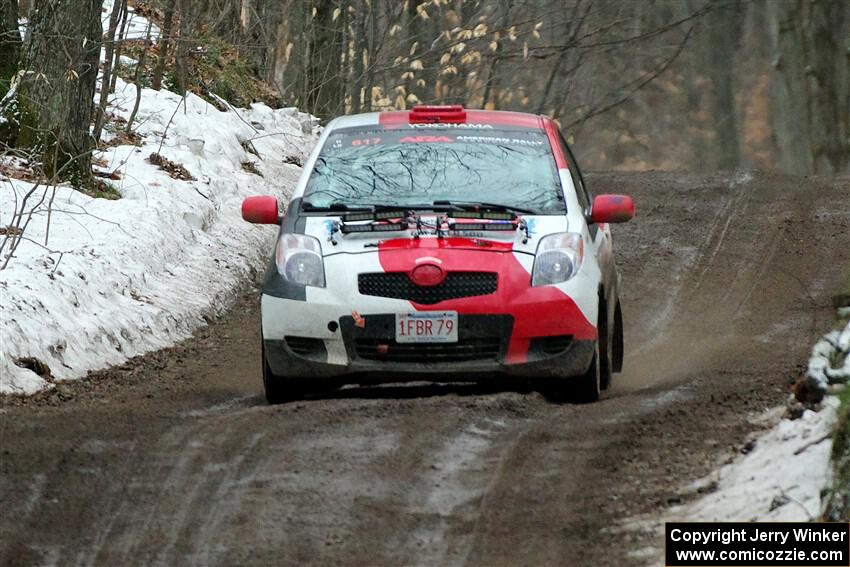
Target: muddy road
pixel 175 459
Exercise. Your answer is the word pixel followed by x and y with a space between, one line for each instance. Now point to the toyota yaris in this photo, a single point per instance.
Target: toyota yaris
pixel 441 244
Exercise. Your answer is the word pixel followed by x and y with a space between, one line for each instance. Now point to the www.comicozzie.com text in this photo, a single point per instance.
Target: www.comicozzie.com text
pixel 754 534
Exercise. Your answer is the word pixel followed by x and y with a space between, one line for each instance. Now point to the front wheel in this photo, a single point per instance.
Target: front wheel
pixel 589 385
pixel 278 388
pixel 605 349
pixel 583 389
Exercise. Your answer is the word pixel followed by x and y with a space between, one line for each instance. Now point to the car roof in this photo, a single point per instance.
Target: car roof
pixel 422 114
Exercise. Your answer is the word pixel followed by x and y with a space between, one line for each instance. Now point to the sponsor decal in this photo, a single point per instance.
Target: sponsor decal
pixel 462 125
pixel 500 140
pixel 330 229
pixel 421 139
pixel 357 142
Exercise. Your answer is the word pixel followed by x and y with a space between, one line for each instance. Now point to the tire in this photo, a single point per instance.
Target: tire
pixel 588 386
pixel 279 389
pixel 619 346
pixel 605 349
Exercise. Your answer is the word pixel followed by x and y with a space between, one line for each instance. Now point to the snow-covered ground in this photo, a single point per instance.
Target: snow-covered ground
pixel 821 372
pixel 780 480
pixel 115 279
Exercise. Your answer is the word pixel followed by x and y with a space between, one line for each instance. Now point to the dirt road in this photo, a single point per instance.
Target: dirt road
pixel 175 459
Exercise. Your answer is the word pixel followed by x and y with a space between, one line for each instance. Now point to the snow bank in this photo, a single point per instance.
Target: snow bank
pixel 780 480
pixel 783 475
pixel 121 278
pixel 833 345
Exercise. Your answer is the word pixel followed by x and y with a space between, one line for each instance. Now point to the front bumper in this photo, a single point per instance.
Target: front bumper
pixel 370 353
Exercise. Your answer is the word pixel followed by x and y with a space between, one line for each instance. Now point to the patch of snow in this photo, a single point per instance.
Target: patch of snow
pixel 116 279
pixel 822 371
pixel 667 397
pixel 740 178
pixel 780 480
pixel 136 25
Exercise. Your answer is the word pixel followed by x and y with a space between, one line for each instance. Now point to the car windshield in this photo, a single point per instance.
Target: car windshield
pixel 361 167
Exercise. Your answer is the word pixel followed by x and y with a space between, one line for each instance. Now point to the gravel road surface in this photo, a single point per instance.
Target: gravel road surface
pixel 175 459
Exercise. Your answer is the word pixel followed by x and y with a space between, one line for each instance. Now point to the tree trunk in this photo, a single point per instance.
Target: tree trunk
pixel 55 94
pixel 165 41
pixel 138 78
pixel 369 59
pixel 723 28
pixel 10 43
pixel 261 20
pixel 119 45
pixel 100 112
pixel 184 37
pixel 829 84
pixel 810 115
pixel 358 69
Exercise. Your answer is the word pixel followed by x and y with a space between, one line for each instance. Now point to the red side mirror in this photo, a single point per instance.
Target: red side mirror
pixel 612 208
pixel 260 210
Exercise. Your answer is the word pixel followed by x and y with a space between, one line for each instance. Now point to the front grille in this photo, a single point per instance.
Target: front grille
pixel 397 285
pixel 477 348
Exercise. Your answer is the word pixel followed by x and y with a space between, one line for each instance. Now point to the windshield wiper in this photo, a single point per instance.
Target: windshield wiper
pixel 335 206
pixel 340 206
pixel 307 206
pixel 482 206
pixel 439 205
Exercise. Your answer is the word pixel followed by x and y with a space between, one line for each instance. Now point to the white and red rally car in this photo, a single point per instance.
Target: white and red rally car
pixel 441 244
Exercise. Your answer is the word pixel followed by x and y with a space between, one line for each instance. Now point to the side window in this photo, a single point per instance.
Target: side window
pixel 575 173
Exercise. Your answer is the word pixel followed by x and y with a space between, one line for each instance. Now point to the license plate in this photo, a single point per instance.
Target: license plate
pixel 426 327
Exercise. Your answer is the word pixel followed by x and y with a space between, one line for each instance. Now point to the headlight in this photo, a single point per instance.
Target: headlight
pixel 299 260
pixel 559 257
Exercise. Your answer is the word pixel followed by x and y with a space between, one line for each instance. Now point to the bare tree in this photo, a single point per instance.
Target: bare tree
pixel 723 28
pixel 57 85
pixel 100 114
pixel 164 44
pixel 138 78
pixel 10 43
pixel 812 96
pixel 119 43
